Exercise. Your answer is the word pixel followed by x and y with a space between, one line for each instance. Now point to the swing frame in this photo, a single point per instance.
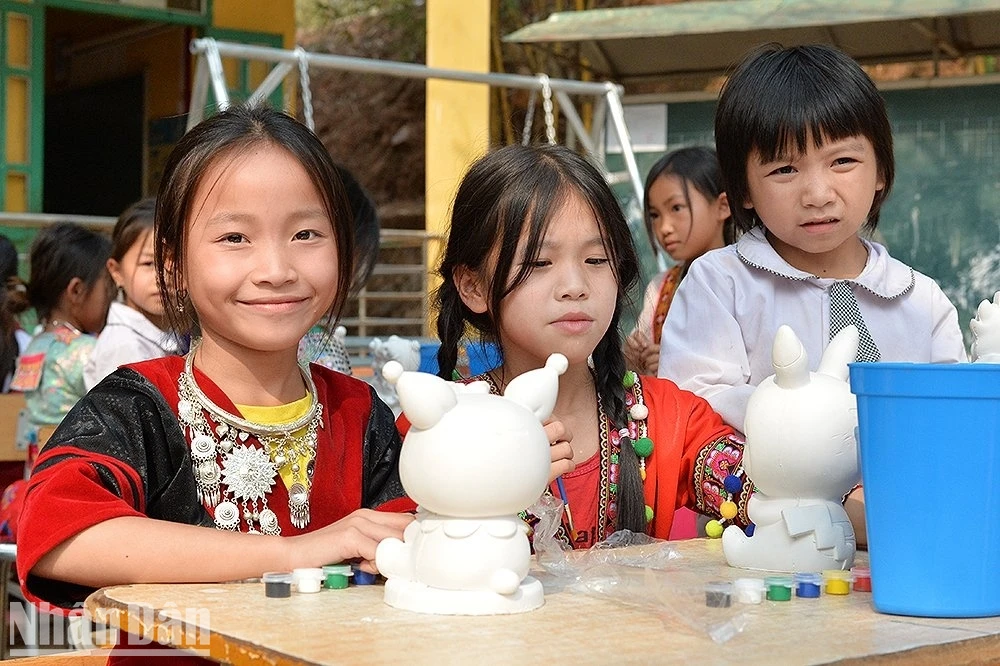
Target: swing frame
pixel 209 75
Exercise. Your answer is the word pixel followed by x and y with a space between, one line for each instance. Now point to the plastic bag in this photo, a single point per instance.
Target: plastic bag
pixel 648 573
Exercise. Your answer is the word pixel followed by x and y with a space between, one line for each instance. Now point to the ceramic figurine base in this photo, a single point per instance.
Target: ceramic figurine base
pixel 414 596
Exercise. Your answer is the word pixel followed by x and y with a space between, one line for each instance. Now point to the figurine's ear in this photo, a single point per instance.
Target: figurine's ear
pixel 537 389
pixel 423 397
pixel 842 350
pixel 791 365
pixel 472 289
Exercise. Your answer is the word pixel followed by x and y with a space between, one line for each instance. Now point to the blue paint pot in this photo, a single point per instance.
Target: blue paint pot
pixel 930 459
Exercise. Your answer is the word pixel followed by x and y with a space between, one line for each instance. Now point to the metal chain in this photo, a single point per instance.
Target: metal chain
pixel 307 104
pixel 550 123
pixel 529 120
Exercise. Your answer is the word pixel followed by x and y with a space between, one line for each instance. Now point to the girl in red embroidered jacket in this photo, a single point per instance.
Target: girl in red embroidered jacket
pixel 160 472
pixel 540 260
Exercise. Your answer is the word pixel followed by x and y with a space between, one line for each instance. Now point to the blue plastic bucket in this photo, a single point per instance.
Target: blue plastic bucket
pixel 483 356
pixel 428 357
pixel 930 460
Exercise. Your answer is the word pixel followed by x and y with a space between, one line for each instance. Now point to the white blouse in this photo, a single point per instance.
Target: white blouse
pixel 128 337
pixel 717 340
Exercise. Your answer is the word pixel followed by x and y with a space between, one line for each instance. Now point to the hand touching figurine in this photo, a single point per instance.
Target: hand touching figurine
pixel 986 332
pixel 801 452
pixel 472 461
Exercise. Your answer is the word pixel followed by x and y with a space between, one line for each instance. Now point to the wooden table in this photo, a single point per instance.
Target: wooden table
pixel 236 623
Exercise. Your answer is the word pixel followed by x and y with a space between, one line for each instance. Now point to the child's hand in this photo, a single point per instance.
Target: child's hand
pixel 641 354
pixel 560 448
pixel 352 538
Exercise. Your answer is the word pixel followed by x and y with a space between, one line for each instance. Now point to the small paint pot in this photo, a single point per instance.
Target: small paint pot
pixel 277 584
pixel 363 577
pixel 335 576
pixel 718 594
pixel 779 588
pixel 837 581
pixel 749 590
pixel 862 579
pixel 807 585
pixel 307 581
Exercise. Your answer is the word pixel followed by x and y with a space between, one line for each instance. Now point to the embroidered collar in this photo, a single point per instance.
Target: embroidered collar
pixel 882 276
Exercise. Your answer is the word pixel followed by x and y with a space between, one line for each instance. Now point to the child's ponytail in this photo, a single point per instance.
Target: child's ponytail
pixel 609 369
pixel 450 327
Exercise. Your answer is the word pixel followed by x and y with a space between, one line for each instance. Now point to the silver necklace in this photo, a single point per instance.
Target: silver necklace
pixel 247 472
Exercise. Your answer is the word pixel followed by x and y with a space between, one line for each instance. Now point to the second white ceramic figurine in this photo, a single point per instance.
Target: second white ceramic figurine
pixel 801 452
pixel 472 461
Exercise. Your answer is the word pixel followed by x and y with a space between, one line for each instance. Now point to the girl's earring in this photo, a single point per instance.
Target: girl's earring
pixel 121 294
pixel 181 298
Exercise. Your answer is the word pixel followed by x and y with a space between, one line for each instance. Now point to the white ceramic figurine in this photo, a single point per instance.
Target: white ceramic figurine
pixel 986 332
pixel 406 351
pixel 801 453
pixel 472 461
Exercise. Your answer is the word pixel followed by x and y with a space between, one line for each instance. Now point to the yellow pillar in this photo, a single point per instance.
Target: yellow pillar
pixel 458 113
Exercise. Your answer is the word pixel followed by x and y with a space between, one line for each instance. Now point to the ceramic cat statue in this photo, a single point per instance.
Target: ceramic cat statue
pixel 801 453
pixel 406 351
pixel 986 332
pixel 471 461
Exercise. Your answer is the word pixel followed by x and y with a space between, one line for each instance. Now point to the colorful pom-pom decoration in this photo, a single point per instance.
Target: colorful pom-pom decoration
pixel 628 381
pixel 649 513
pixel 643 447
pixel 713 529
pixel 728 510
pixel 733 484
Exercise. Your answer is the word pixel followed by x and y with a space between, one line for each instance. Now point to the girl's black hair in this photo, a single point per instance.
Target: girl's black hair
pixel 13 301
pixel 511 192
pixel 134 221
pixel 366 228
pixel 60 253
pixel 222 137
pixel 693 165
pixel 777 98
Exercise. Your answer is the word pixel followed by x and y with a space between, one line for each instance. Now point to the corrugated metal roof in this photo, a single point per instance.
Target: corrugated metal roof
pixel 708 36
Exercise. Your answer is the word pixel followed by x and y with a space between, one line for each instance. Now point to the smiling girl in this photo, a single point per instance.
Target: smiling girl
pixel 233 460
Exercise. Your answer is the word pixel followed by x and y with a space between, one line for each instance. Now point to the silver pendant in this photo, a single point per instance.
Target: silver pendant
pixel 227 516
pixel 269 523
pixel 248 473
pixel 207 476
pixel 298 505
pixel 203 448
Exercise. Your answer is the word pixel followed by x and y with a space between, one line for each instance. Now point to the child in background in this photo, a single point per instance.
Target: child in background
pixel 233 460
pixel 134 330
pixel 13 301
pixel 806 152
pixel 540 260
pixel 70 290
pixel 687 214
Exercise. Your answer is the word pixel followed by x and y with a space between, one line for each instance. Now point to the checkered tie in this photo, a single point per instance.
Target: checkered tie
pixel 843 311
